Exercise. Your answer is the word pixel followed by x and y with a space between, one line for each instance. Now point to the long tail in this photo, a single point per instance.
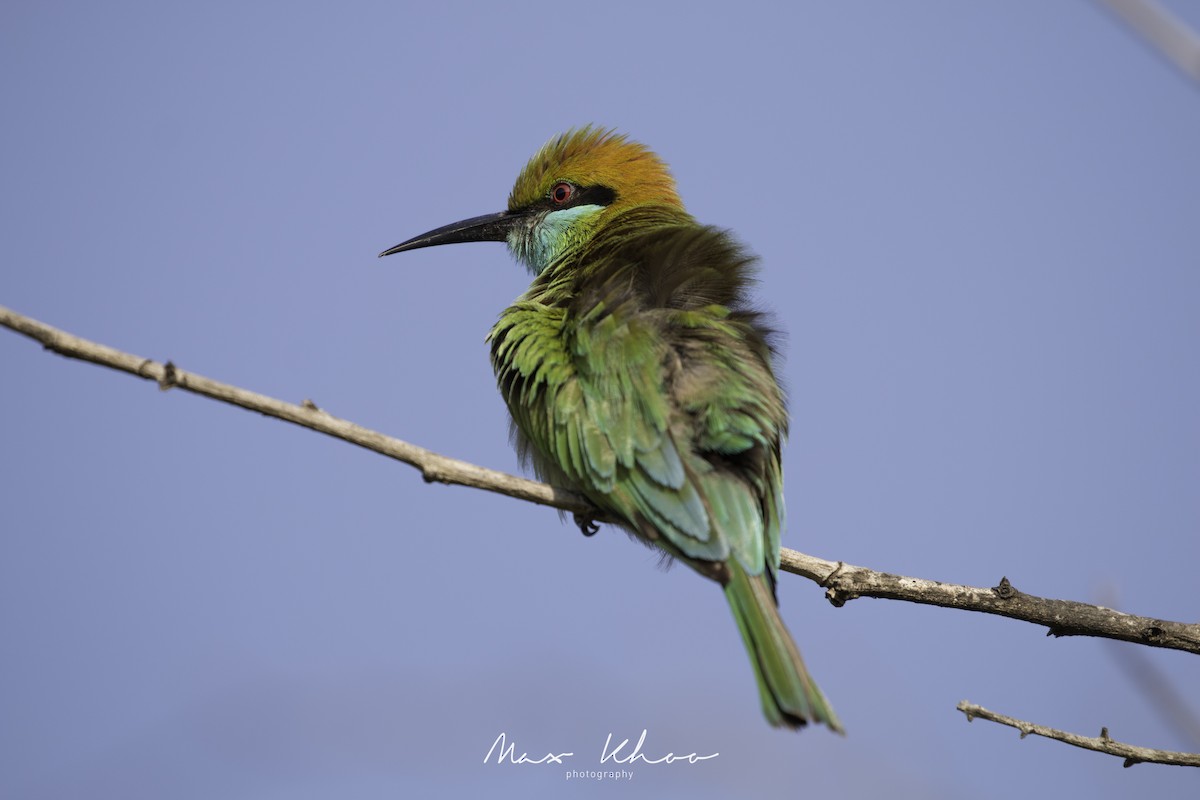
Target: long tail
pixel 790 698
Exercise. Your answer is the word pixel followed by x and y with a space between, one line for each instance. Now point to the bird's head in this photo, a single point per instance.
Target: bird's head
pixel 564 195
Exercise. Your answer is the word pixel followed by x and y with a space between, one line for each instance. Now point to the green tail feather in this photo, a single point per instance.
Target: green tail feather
pixel 790 698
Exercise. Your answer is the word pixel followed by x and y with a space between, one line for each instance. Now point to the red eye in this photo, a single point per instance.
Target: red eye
pixel 562 192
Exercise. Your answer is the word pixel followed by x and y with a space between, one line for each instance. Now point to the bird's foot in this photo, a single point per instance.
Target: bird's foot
pixel 587 524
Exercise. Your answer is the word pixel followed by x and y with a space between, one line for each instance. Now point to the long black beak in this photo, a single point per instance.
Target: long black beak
pixel 488 228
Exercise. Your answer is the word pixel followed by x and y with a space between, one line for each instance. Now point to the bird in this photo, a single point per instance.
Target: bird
pixel 638 372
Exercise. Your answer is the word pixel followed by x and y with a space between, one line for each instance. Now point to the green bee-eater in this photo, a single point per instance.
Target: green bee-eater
pixel 637 374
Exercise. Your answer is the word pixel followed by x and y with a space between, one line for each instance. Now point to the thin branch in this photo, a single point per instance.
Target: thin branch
pixel 843 582
pixel 433 467
pixel 1101 744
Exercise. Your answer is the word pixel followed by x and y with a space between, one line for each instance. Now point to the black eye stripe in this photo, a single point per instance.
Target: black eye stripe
pixel 583 196
pixel 594 196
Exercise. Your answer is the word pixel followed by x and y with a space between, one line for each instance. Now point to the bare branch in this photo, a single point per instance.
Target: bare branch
pixel 1101 744
pixel 843 582
pixel 434 467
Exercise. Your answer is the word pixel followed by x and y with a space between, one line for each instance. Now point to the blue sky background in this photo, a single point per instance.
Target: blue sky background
pixel 978 225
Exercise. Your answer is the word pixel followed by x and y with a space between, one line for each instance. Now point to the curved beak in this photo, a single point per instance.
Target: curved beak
pixel 488 228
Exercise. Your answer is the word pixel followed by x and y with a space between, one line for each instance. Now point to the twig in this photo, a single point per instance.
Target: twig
pixel 1101 744
pixel 843 582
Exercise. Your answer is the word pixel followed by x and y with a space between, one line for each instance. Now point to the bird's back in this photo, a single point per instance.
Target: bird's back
pixel 636 373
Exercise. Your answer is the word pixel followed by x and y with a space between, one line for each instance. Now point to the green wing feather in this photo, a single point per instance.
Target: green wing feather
pixel 636 376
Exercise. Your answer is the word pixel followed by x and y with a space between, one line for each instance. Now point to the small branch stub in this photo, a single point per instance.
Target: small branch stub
pixel 168 378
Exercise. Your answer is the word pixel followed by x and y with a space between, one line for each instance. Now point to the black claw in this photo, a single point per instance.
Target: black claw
pixel 587 525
